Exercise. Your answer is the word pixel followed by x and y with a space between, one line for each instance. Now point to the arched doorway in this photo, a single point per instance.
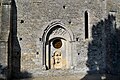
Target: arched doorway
pixel 57 47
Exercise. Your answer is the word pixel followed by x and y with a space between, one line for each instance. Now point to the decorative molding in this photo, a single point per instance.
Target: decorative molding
pixel 59 31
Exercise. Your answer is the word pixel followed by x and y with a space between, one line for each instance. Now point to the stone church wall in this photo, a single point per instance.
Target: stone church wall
pixel 35 16
pixel 31 19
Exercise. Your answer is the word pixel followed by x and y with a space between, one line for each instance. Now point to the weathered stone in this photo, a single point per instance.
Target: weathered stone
pixel 29 29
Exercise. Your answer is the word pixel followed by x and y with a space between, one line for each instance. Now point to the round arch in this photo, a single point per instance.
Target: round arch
pixel 53 25
pixel 53 31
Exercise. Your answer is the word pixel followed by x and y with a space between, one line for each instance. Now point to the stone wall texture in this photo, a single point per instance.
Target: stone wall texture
pixel 24 22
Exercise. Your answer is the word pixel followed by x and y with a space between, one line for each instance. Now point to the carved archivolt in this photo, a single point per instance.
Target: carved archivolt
pixel 59 31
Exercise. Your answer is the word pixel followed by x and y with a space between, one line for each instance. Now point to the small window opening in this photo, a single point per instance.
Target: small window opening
pixel 86 25
pixel 57 43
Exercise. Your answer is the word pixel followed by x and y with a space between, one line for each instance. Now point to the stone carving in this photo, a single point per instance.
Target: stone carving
pixel 57 60
pixel 59 31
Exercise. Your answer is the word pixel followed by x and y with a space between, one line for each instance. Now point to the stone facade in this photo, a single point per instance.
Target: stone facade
pixel 29 29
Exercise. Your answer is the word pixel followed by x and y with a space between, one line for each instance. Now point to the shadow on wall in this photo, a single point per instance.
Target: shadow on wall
pixel 14 49
pixel 103 53
pixel 3 72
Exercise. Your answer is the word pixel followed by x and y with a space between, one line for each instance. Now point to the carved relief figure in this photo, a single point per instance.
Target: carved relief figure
pixel 57 60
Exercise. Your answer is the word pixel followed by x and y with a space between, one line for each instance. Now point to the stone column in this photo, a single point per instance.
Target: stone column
pixel 5 29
